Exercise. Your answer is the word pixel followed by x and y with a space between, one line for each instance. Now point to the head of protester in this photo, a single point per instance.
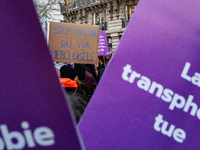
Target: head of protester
pixel 72 85
pixel 86 74
pixel 80 70
pixel 102 60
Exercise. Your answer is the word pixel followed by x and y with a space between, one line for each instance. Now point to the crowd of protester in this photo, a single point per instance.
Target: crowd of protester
pixel 80 81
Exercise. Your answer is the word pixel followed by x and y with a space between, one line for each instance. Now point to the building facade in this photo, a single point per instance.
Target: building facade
pixel 111 15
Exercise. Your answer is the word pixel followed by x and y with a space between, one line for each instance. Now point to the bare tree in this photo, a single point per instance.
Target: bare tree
pixel 45 7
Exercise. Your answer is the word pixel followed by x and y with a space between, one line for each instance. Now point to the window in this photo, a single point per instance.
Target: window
pixel 98 18
pixel 75 5
pixel 120 36
pixel 109 41
pixel 129 11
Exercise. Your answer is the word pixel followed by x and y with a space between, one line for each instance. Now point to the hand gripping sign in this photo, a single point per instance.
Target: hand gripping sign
pixel 149 95
pixel 34 112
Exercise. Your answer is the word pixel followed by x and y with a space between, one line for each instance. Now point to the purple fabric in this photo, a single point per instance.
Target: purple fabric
pixel 103 44
pixel 162 38
pixel 108 52
pixel 30 89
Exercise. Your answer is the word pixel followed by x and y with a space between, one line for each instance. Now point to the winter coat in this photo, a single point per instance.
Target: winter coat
pixel 101 69
pixel 90 83
pixel 78 97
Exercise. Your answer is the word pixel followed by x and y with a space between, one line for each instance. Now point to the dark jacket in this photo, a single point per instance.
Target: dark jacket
pixel 90 84
pixel 101 69
pixel 91 69
pixel 77 97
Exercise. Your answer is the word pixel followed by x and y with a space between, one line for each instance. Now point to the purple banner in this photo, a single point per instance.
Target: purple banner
pixel 149 95
pixel 34 112
pixel 103 44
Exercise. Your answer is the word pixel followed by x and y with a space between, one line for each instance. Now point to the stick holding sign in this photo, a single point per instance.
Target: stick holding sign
pixel 74 43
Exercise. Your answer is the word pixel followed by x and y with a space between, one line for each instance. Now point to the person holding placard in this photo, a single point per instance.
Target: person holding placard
pixel 78 97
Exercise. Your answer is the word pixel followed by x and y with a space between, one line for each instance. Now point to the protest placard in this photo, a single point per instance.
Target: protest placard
pixel 74 43
pixel 103 44
pixel 148 97
pixel 34 112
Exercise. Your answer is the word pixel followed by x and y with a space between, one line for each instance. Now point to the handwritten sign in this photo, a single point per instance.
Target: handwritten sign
pixel 151 88
pixel 34 112
pixel 74 43
pixel 103 44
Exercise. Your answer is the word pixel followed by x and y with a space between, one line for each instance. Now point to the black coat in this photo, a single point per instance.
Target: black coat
pixel 78 100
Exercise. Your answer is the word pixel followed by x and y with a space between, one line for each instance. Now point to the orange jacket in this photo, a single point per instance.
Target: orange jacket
pixel 68 83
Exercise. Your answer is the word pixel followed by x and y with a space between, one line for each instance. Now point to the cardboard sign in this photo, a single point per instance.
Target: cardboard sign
pixel 149 96
pixel 103 44
pixel 34 112
pixel 74 43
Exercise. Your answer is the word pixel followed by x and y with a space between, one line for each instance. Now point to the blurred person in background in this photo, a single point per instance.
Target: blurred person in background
pixel 72 85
